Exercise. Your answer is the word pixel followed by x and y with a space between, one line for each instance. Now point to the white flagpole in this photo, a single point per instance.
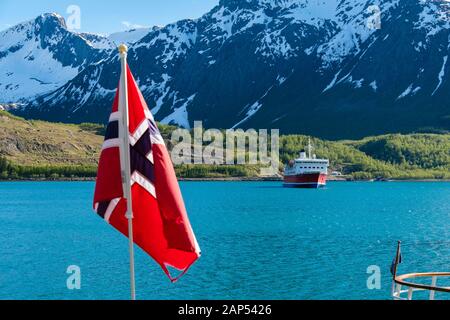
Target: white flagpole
pixel 125 159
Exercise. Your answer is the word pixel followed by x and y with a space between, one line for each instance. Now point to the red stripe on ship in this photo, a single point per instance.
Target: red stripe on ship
pixel 313 179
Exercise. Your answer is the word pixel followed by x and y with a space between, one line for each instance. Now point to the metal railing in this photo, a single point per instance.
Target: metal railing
pixel 401 281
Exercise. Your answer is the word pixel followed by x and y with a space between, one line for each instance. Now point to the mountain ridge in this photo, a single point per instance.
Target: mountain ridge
pixel 312 67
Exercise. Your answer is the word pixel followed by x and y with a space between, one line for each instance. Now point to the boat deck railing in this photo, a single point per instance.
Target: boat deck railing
pixel 406 281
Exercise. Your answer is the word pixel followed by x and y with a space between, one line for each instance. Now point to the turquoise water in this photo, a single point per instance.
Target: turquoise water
pixel 259 241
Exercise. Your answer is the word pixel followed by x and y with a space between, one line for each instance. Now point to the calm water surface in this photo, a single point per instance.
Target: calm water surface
pixel 259 241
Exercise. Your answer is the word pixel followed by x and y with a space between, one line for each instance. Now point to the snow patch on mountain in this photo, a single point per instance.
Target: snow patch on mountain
pixel 175 39
pixel 97 41
pixel 268 21
pixel 28 72
pixel 129 37
pixel 223 21
pixel 434 17
pixel 180 115
pixel 352 19
pixel 333 82
pixel 312 12
pixel 406 92
pixel 162 89
pixel 441 75
pixel 409 91
pixel 356 83
pixel 253 109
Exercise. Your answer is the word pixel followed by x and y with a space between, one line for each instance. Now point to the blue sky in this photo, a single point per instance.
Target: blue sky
pixel 102 16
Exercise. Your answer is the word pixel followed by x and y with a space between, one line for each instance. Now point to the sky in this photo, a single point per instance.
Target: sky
pixel 103 16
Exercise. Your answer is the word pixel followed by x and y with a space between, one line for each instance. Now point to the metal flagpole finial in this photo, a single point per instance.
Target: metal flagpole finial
pixel 123 48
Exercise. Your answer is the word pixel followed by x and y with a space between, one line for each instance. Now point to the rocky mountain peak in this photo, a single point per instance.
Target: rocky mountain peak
pixel 51 20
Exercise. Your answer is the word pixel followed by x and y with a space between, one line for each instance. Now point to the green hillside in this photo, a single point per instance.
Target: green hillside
pixel 415 156
pixel 43 150
pixel 39 149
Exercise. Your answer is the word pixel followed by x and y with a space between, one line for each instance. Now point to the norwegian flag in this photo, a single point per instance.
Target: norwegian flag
pixel 160 222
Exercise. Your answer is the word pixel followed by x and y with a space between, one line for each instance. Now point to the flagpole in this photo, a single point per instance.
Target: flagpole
pixel 397 258
pixel 125 157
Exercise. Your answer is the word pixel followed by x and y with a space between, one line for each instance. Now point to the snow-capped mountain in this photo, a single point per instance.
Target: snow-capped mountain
pixel 98 41
pixel 129 37
pixel 39 56
pixel 112 41
pixel 322 67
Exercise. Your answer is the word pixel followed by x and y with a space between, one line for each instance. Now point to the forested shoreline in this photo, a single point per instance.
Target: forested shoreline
pixel 39 150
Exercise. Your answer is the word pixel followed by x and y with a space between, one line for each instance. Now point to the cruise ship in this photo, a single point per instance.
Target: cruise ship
pixel 306 171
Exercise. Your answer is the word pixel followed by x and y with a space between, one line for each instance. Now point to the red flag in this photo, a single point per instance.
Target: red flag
pixel 161 225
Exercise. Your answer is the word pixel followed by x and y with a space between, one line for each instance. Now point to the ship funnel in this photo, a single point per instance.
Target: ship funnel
pixel 303 154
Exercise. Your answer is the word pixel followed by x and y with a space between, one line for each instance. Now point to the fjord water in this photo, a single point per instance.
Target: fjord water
pixel 259 241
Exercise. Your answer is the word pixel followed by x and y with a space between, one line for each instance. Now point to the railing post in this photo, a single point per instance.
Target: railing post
pixel 398 291
pixel 433 284
pixel 410 293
